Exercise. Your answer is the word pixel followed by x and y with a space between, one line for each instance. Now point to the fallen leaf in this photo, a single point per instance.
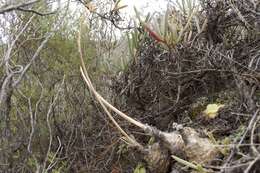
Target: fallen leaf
pixel 212 110
pixel 140 169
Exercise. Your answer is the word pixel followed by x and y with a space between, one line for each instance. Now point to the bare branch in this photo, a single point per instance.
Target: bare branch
pixel 11 7
pixel 100 99
pixel 36 54
pixel 49 124
pixel 36 12
pixel 109 17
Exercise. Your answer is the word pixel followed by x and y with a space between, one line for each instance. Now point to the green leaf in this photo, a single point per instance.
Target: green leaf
pixel 186 26
pixel 166 24
pixel 140 169
pixel 117 3
pixel 212 110
pixel 138 15
pixel 148 17
pixel 134 38
pixel 130 44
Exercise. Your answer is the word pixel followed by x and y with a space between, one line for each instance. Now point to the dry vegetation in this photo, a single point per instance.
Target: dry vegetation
pixel 190 92
pixel 217 65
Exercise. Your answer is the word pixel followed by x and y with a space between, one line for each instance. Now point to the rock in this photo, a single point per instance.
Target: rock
pixel 198 149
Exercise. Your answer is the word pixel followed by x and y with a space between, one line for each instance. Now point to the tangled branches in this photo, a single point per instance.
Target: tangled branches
pixel 221 64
